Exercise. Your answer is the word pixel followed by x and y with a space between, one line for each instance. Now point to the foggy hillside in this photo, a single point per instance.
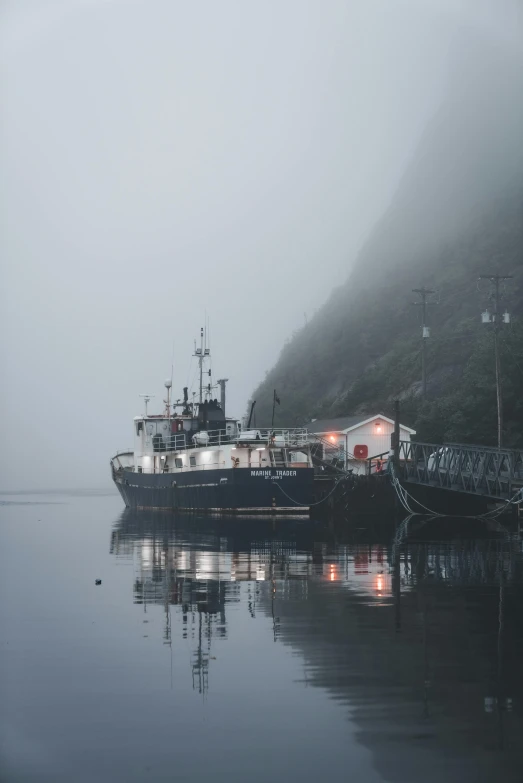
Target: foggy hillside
pixel 467 155
pixel 458 213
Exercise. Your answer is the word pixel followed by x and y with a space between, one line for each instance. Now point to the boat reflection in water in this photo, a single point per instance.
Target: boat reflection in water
pixel 421 639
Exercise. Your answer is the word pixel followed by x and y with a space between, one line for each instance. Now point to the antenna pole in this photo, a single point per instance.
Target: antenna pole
pixel 172 366
pixel 198 352
pixel 168 385
pixel 499 396
pixel 146 399
pixel 202 353
pixel 201 365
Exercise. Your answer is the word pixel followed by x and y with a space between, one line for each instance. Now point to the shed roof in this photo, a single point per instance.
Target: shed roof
pixel 346 423
pixel 334 425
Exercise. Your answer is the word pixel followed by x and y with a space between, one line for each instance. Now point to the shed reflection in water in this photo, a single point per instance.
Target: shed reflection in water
pixel 419 638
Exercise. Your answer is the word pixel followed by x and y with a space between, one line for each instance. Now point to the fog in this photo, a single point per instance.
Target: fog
pixel 166 162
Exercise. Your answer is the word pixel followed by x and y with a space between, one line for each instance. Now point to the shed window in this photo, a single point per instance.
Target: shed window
pixel 192 460
pixel 178 461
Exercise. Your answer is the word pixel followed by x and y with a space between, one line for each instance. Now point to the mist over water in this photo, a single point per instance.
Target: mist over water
pixel 238 165
pixel 253 648
pixel 163 162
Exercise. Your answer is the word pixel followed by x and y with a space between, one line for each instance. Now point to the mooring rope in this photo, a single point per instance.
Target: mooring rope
pixel 310 505
pixel 404 496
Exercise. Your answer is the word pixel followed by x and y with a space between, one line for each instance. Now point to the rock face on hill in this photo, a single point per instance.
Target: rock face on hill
pixel 457 214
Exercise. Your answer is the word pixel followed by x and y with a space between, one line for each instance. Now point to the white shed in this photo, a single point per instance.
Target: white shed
pixel 353 440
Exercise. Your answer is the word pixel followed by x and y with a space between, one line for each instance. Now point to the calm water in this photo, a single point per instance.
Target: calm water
pixel 254 651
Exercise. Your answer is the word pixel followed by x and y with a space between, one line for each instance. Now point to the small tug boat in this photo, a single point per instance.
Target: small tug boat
pixel 194 458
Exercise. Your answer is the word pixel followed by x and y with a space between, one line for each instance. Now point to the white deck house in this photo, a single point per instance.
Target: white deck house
pixel 354 440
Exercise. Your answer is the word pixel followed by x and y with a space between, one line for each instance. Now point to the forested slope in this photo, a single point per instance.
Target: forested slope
pixel 457 214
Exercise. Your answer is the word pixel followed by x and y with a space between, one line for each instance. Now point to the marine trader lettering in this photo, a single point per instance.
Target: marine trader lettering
pixel 268 474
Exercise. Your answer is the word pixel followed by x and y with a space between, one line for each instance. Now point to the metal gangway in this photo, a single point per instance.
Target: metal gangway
pixel 477 470
pixel 328 455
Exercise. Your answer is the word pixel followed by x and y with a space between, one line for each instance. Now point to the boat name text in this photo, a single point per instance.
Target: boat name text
pixel 268 474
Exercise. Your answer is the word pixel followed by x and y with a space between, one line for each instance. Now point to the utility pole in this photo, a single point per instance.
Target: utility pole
pixel 395 435
pixel 425 332
pixel 497 318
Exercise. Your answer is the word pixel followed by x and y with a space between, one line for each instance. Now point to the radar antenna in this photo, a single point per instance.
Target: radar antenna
pixel 146 398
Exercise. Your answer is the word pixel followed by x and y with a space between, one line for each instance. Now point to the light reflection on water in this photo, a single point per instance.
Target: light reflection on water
pixel 251 649
pixel 420 639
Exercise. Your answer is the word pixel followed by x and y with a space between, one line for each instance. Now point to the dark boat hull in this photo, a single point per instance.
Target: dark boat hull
pixel 243 490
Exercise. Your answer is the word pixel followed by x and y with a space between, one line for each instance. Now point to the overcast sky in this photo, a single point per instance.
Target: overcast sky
pixel 161 160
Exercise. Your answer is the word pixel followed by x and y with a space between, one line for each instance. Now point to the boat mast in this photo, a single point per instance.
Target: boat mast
pixel 202 335
pixel 201 353
pixel 168 384
pixel 147 398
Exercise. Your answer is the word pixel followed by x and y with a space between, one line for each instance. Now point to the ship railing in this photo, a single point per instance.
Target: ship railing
pixel 275 438
pixel 173 470
pixel 185 440
pixel 218 464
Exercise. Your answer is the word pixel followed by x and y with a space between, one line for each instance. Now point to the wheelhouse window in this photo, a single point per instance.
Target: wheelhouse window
pixel 178 462
pixel 139 427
